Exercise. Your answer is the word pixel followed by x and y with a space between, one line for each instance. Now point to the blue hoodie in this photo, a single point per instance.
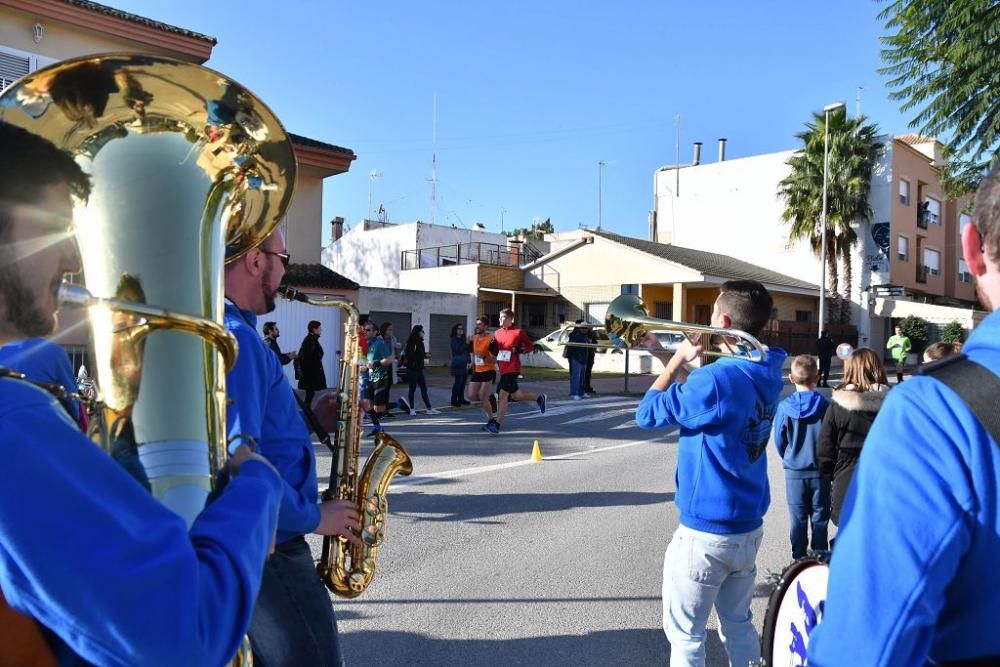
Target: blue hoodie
pixel 914 575
pixel 41 360
pixel 724 411
pixel 264 408
pixel 797 424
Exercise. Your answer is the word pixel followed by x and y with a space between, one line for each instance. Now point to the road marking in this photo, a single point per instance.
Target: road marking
pixel 567 407
pixel 601 416
pixel 466 472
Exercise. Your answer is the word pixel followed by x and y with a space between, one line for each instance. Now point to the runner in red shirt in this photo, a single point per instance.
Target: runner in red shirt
pixel 511 341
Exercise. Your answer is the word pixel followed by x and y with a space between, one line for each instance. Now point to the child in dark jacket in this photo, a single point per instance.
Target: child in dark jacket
pixel 797 424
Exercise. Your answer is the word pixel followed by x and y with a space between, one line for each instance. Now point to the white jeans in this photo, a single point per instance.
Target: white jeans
pixel 701 570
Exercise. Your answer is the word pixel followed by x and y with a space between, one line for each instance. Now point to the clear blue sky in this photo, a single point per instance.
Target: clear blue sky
pixel 531 95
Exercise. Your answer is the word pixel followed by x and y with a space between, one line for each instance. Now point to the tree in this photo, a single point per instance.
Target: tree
pixel 953 332
pixel 943 58
pixel 853 153
pixel 915 328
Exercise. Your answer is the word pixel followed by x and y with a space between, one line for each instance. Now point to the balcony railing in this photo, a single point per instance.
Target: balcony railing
pixel 921 273
pixel 468 253
pixel 922 219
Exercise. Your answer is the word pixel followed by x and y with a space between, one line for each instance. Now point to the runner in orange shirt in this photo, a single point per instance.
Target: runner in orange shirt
pixel 484 372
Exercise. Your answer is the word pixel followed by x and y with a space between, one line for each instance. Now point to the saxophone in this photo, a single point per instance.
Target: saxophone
pixel 348 570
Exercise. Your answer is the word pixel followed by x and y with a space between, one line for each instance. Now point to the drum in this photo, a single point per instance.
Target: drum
pixel 794 609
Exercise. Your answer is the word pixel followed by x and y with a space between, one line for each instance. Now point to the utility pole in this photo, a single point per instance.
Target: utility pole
pixel 372 175
pixel 600 195
pixel 434 160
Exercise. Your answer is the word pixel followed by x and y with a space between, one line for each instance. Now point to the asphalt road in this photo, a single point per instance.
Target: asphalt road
pixel 493 559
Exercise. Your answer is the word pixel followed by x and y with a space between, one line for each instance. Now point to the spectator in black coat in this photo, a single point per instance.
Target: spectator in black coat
pixel 313 378
pixel 824 351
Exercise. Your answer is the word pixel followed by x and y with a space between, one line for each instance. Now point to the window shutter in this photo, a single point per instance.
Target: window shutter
pixel 12 68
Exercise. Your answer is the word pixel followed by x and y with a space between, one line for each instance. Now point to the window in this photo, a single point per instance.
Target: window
pixel 963 272
pixel 932 261
pixel 559 309
pixel 932 210
pixel 491 309
pixel 903 248
pixel 14 64
pixel 630 289
pixel 803 316
pixel 535 313
pixel 663 310
pixel 904 192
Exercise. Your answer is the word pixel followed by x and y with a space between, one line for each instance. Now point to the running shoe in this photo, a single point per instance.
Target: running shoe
pixel 541 403
pixel 432 411
pixel 493 427
pixel 404 405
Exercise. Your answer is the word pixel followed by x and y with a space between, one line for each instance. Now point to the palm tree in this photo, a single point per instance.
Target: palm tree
pixel 853 153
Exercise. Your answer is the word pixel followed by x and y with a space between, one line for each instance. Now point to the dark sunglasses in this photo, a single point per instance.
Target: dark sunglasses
pixel 283 256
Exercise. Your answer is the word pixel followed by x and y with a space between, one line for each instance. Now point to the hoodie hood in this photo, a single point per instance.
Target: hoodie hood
pixel 804 404
pixel 863 401
pixel 766 376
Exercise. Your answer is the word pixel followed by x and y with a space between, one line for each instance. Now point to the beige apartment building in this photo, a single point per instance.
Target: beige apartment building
pixel 908 258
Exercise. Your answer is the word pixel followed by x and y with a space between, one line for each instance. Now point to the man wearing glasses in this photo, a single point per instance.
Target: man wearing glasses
pixel 293 621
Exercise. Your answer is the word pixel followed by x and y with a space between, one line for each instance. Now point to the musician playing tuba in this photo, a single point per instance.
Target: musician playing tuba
pixel 92 566
pixel 294 622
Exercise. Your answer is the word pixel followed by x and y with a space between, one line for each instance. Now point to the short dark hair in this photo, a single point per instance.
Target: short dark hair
pixel 31 163
pixel 747 303
pixel 507 311
pixel 986 214
pixel 313 325
pixel 385 327
pixel 269 327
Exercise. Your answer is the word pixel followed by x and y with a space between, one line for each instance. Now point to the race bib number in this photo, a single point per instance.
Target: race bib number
pixel 479 360
pixel 503 355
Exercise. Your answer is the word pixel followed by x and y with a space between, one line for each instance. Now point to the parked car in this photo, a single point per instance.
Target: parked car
pixel 670 340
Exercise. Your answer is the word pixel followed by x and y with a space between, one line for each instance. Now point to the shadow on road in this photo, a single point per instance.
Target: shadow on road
pixel 440 507
pixel 634 647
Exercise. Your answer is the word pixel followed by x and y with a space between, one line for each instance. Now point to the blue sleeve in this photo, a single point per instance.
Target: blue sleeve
pixel 780 433
pixel 691 404
pixel 891 568
pixel 134 588
pixel 253 390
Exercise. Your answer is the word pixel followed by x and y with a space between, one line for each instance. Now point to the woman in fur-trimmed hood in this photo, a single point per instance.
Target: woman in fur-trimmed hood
pixel 855 403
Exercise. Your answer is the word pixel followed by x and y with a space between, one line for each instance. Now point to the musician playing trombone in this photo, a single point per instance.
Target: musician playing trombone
pixel 724 411
pixel 293 623
pixel 93 567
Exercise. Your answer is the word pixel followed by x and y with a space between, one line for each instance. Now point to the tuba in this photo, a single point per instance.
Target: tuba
pixel 348 570
pixel 179 154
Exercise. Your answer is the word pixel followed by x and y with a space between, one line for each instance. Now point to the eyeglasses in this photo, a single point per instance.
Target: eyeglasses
pixel 283 256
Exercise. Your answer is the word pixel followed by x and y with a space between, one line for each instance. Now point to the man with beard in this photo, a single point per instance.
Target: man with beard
pixel 293 623
pixel 913 578
pixel 271 335
pixel 137 587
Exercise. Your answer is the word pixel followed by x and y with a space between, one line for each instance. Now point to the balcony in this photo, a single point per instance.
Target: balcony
pixel 469 253
pixel 921 273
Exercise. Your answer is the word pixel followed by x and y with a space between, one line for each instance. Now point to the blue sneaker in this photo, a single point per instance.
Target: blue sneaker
pixel 375 431
pixel 493 427
pixel 541 403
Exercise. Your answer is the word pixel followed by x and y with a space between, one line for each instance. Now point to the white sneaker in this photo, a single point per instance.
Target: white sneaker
pixel 413 413
pixel 432 411
pixel 577 398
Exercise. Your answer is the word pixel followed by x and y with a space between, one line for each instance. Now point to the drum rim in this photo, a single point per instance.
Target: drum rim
pixel 791 571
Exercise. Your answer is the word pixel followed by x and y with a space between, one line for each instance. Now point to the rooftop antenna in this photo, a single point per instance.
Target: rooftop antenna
pixel 677 146
pixel 857 101
pixel 434 160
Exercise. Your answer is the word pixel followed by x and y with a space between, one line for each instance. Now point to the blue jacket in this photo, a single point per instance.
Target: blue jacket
pixel 914 573
pixel 264 408
pixel 725 412
pixel 41 360
pixel 99 562
pixel 797 424
pixel 574 353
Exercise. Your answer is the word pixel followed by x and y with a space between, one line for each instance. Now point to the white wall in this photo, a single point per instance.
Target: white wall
pixel 371 257
pixel 292 318
pixel 430 236
pixel 302 224
pixel 459 278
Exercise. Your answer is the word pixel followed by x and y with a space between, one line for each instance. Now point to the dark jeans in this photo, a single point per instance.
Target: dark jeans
pixel 577 370
pixel 824 371
pixel 293 622
pixel 415 376
pixel 586 377
pixel 808 498
pixel 458 388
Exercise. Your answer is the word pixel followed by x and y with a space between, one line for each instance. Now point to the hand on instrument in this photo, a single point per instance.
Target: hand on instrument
pixel 651 342
pixel 293 354
pixel 326 410
pixel 687 352
pixel 339 517
pixel 241 455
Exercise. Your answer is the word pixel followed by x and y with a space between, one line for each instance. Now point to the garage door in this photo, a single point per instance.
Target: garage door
pixel 440 334
pixel 400 323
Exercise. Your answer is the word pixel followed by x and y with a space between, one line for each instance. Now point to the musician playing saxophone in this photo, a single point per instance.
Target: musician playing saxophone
pixel 93 567
pixel 293 623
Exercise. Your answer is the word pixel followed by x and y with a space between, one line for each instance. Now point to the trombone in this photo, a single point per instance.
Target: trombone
pixel 627 322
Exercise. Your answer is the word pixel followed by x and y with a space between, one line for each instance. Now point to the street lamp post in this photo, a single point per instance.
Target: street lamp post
pixel 600 186
pixel 372 175
pixel 827 110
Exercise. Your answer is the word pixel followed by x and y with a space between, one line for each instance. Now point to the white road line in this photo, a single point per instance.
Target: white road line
pixel 465 472
pixel 601 416
pixel 568 407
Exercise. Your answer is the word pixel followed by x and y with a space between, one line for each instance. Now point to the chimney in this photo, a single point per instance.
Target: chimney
pixel 697 154
pixel 722 149
pixel 338 228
